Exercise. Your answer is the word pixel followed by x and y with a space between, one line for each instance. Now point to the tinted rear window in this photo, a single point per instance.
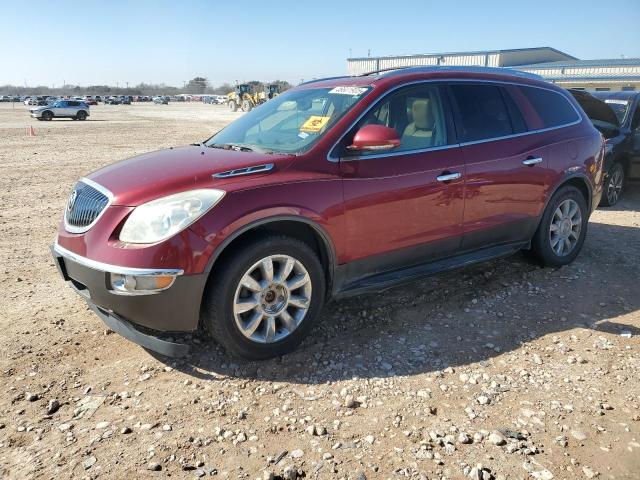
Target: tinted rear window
pixel 551 109
pixel 482 112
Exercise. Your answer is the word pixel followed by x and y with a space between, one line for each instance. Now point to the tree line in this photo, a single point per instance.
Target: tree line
pixel 195 86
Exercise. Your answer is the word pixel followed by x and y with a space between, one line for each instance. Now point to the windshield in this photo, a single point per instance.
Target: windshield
pixel 290 123
pixel 619 107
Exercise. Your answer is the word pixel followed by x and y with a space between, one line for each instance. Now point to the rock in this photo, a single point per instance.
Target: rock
pixel 102 425
pixel 53 406
pixel 31 397
pixel 65 427
pixel 588 472
pixel 290 473
pixel 349 401
pixel 296 453
pixel 241 437
pixel 497 438
pixel 268 475
pixel 126 430
pixel 166 428
pixel 578 435
pixel 88 462
pixel 483 400
pixel 154 466
pixel 370 439
pixel 464 438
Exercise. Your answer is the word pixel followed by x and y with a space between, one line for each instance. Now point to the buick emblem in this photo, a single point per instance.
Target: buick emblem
pixel 72 200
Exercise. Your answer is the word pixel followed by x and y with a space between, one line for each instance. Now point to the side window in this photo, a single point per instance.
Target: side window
pixel 416 113
pixel 482 112
pixel 73 104
pixel 551 109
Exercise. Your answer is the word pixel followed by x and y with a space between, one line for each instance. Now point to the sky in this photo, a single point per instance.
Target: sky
pixel 48 42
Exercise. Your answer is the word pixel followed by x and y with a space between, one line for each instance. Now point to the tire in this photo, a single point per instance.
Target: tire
pixel 47 116
pixel 225 290
pixel 575 230
pixel 81 115
pixel 613 186
pixel 233 106
pixel 246 106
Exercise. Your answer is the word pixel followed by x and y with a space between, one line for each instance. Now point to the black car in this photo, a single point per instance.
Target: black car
pixel 617 116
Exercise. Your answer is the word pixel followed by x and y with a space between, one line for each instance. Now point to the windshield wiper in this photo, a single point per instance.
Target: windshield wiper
pixel 240 147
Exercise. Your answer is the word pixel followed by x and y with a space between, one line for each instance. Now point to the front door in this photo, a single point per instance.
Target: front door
pixel 404 207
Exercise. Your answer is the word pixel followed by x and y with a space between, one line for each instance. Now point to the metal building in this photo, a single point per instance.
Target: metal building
pixel 552 64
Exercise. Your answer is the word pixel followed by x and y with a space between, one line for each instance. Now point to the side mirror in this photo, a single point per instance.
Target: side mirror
pixel 374 138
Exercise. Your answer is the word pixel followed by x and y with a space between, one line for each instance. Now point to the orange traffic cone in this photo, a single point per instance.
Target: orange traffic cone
pixel 31 130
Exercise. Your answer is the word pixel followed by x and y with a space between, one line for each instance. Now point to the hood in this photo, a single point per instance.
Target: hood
pixel 596 109
pixel 156 174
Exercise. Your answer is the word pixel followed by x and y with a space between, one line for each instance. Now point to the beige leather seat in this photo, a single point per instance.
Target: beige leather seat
pixel 419 133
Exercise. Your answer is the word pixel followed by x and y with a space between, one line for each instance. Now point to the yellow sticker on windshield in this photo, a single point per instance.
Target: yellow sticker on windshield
pixel 314 123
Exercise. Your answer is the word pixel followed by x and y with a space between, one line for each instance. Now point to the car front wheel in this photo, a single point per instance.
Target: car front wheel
pixel 613 186
pixel 264 298
pixel 563 228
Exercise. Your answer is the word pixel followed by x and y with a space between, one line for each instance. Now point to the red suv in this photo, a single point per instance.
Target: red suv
pixel 337 186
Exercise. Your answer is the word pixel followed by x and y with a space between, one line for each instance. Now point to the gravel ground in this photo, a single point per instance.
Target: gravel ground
pixel 503 370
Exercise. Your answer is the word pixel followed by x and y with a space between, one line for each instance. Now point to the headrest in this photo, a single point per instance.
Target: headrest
pixel 422 114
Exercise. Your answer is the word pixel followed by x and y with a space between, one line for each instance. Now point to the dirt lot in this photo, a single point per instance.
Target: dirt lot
pixel 530 372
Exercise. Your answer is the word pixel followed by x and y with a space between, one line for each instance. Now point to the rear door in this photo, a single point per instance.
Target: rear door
pixel 507 174
pixel 404 207
pixel 634 168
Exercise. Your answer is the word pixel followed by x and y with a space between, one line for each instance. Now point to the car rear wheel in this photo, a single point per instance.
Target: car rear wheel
pixel 246 106
pixel 47 116
pixel 233 106
pixel 264 299
pixel 613 186
pixel 563 228
pixel 81 115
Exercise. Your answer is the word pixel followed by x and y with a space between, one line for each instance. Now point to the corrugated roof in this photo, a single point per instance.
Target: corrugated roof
pixel 478 52
pixel 603 62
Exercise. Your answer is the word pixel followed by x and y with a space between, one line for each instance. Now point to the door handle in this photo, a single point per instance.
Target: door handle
pixel 532 161
pixel 447 177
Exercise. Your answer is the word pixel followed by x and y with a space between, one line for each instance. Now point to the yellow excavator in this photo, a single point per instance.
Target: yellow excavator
pixel 245 98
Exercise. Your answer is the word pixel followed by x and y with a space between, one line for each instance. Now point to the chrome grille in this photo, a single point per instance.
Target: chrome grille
pixel 86 203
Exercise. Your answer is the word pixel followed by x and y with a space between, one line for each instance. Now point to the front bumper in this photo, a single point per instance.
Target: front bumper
pixel 36 114
pixel 141 318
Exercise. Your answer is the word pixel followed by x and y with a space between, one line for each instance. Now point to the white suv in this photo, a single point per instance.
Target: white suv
pixel 73 109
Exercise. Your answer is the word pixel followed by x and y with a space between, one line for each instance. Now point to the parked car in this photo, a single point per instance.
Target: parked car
pixel 617 116
pixel 336 187
pixel 31 101
pixel 62 109
pixel 112 101
pixel 161 100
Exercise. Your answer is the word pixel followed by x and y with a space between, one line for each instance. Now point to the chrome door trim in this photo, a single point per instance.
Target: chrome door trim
pixel 447 81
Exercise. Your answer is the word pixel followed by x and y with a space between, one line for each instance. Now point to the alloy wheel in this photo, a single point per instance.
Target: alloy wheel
pixel 614 187
pixel 564 231
pixel 272 299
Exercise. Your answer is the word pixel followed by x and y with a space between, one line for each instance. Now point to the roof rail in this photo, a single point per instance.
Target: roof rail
pixel 443 68
pixel 323 79
pixel 382 70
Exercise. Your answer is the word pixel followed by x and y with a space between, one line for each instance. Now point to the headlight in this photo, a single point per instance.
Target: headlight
pixel 162 218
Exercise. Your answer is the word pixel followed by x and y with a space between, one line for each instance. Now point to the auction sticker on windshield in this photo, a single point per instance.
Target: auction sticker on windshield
pixel 314 123
pixel 349 90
